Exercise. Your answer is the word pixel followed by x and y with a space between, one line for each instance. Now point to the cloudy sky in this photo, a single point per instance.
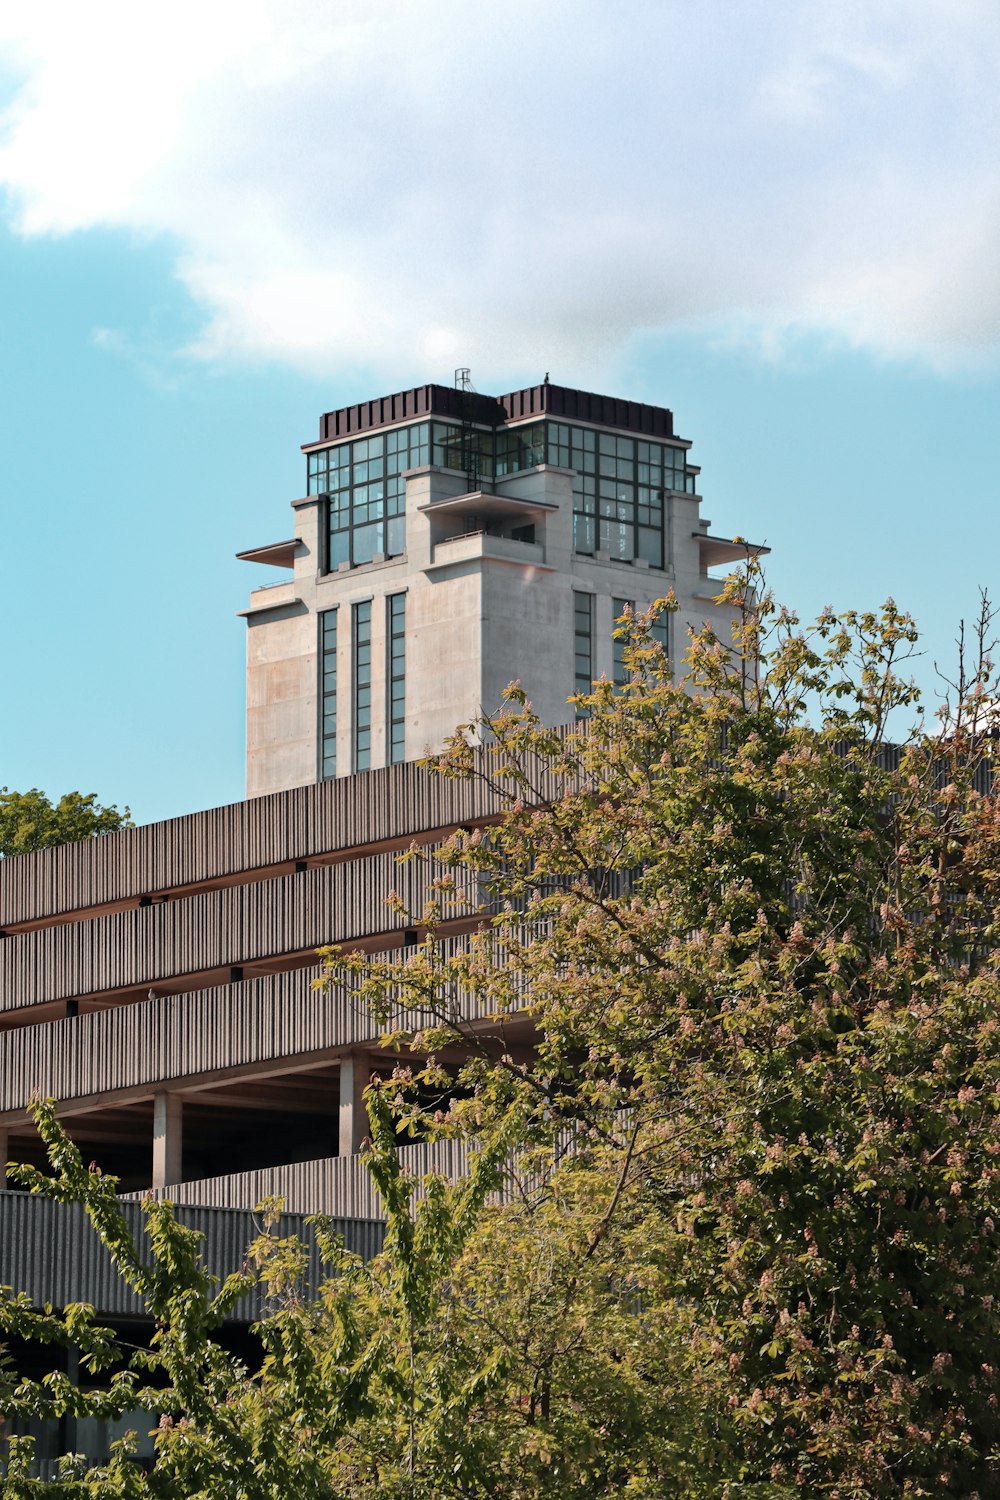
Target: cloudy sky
pixel 216 221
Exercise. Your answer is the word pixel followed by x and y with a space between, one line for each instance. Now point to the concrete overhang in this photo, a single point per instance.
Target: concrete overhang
pixel 720 549
pixel 275 554
pixel 273 604
pixel 486 503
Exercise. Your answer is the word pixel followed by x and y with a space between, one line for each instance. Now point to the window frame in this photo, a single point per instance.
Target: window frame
pixel 361 685
pixel 395 678
pixel 326 721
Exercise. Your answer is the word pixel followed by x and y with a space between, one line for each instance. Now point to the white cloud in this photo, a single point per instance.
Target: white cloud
pixel 398 188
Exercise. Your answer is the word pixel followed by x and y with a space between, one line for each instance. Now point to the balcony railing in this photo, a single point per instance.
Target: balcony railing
pixel 481 543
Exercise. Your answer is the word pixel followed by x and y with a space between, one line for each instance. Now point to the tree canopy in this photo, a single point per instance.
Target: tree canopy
pixel 746 1242
pixel 31 820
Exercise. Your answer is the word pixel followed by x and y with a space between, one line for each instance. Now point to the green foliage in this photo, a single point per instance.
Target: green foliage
pixel 357 1393
pixel 760 953
pixel 30 820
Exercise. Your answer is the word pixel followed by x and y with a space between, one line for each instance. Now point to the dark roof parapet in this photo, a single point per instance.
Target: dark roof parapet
pixel 407 406
pixel 517 406
pixel 587 406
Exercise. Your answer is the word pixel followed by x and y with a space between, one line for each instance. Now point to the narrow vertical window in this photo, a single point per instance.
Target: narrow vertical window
pixel 362 656
pixel 396 677
pixel 328 693
pixel 621 675
pixel 583 642
pixel 660 632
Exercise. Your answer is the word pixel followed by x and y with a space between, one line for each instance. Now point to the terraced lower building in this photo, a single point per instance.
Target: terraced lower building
pixel 159 982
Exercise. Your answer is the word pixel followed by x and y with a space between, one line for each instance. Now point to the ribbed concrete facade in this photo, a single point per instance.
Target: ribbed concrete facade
pixel 179 960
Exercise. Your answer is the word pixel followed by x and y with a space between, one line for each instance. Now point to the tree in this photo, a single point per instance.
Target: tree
pixel 30 820
pixel 759 949
pixel 359 1393
pixel 746 1243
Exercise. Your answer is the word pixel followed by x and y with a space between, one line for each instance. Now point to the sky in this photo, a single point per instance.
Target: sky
pixel 780 218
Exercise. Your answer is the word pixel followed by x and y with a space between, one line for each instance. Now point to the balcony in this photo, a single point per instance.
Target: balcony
pixel 473 546
pixel 272 596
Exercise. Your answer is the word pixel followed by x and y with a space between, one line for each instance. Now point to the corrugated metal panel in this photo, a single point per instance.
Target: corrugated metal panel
pixel 51 1251
pixel 172 1037
pixel 403 406
pixel 588 406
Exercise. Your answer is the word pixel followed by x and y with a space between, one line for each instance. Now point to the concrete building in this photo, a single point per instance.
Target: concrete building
pixel 449 542
pixel 158 982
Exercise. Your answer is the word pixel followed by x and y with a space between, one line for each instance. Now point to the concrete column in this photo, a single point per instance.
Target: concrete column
pixel 353 1115
pixel 4 1152
pixel 168 1139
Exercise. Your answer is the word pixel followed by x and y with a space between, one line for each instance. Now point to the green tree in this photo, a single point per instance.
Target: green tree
pixel 759 950
pixel 30 820
pixel 360 1392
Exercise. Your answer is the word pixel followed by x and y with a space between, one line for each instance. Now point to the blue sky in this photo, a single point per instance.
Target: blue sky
pixel 780 219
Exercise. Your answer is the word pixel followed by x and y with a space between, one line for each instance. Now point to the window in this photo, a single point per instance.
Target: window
pixel 367 494
pixel 621 674
pixel 519 448
pixel 618 490
pixel 583 643
pixel 489 454
pixel 362 660
pixel 328 693
pixel 469 450
pixel 660 632
pixel 396 678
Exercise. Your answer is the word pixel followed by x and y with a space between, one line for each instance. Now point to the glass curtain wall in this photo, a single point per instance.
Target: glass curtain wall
pixel 367 504
pixel 618 489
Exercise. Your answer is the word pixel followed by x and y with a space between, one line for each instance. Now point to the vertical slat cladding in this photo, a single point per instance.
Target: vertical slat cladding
pixel 310 821
pixel 340 1186
pixel 51 1251
pixel 224 928
pixel 273 1018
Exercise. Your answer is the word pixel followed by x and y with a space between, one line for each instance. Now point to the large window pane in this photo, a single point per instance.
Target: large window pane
pixel 362 479
pixel 650 545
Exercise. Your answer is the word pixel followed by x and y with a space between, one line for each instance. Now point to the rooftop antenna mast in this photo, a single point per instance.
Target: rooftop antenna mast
pixel 469 436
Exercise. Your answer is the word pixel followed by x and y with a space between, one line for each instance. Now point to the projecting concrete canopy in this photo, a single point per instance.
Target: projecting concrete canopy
pixel 275 554
pixel 484 503
pixel 720 549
